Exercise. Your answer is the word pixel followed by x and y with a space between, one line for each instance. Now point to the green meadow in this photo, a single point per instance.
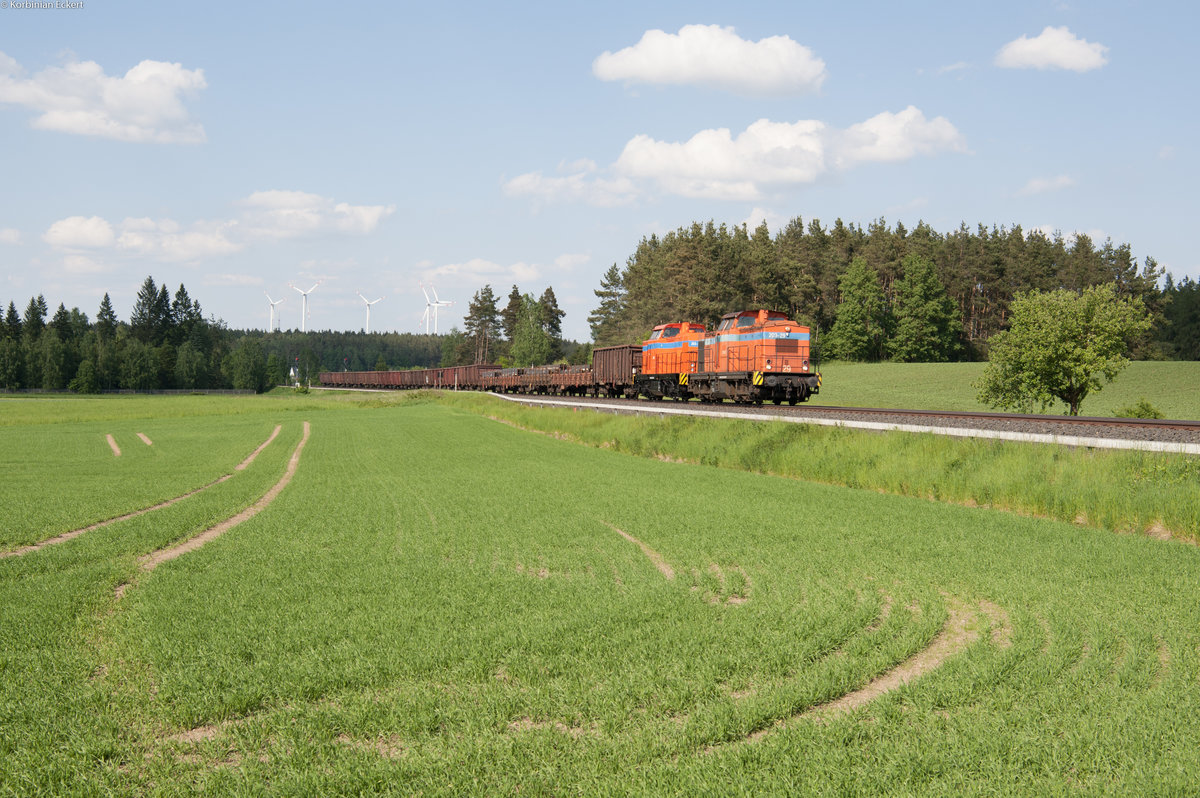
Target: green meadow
pixel 444 601
pixel 1172 387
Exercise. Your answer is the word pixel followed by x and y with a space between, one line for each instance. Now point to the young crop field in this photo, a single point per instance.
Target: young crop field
pixel 429 600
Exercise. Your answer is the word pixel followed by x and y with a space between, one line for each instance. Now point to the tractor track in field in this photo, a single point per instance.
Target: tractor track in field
pixel 955 636
pixel 662 565
pixel 154 559
pixel 65 536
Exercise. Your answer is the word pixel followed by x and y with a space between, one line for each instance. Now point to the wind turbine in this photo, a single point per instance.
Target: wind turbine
pixel 369 304
pixel 273 302
pixel 435 303
pixel 304 305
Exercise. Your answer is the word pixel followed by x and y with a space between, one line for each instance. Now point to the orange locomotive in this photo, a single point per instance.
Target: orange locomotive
pixel 752 356
pixel 668 357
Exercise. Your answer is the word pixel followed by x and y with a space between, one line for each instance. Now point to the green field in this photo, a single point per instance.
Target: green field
pixel 440 603
pixel 1173 387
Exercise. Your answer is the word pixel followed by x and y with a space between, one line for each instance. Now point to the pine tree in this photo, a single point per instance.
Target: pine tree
pixel 106 320
pixel 860 331
pixel 12 323
pixel 185 314
pixel 162 315
pixel 145 321
pixel 925 329
pixel 483 325
pixel 604 319
pixel 35 318
pixel 552 318
pixel 512 313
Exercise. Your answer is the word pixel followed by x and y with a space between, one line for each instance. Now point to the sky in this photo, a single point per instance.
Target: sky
pixel 374 148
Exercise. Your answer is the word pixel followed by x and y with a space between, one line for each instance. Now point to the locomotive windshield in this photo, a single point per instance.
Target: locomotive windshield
pixel 670 332
pixel 654 336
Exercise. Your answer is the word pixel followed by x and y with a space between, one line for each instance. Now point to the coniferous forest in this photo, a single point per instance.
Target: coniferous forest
pixel 881 291
pixel 874 293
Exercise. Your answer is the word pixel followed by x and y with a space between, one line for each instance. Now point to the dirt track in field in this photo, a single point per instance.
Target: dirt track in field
pixel 954 637
pixel 153 560
pixel 112 444
pixel 663 567
pixel 64 537
pixel 242 465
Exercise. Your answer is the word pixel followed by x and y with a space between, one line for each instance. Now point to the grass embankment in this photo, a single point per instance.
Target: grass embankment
pixel 439 603
pixel 1169 386
pixel 1122 491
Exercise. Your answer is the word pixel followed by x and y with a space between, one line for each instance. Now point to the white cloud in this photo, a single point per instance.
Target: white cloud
pixel 10 235
pixel 775 221
pixel 578 184
pixel 897 137
pixel 957 66
pixel 231 279
pixel 80 232
pixel 710 55
pixel 570 261
pixel 714 164
pixel 1053 48
pixel 1042 185
pixel 82 264
pixel 269 214
pixel 143 105
pixel 479 271
pixel 288 214
pixel 166 242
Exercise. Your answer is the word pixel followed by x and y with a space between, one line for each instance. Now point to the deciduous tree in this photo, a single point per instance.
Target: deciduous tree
pixel 1061 345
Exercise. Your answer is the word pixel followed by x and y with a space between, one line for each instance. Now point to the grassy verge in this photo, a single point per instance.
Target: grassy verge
pixel 1122 491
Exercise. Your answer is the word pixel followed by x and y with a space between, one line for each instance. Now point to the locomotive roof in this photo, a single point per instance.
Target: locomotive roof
pixel 771 313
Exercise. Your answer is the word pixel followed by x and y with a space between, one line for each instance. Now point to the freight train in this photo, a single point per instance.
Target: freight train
pixel 751 357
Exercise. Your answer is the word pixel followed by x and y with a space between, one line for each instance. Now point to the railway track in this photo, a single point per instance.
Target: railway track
pixel 1165 435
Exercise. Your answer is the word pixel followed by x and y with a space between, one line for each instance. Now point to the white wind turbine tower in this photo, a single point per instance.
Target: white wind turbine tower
pixel 435 303
pixel 273 302
pixel 304 305
pixel 369 304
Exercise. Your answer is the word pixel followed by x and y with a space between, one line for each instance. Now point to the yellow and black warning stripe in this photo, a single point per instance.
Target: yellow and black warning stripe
pixel 683 378
pixel 757 378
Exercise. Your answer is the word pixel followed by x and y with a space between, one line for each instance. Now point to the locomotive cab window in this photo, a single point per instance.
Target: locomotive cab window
pixel 725 324
pixel 696 328
pixel 746 321
pixel 654 336
pixel 670 332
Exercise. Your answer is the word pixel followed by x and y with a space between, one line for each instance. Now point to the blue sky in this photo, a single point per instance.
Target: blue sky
pixel 239 148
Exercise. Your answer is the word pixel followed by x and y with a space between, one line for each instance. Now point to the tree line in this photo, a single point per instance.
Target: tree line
pixel 525 332
pixel 167 343
pixel 882 291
